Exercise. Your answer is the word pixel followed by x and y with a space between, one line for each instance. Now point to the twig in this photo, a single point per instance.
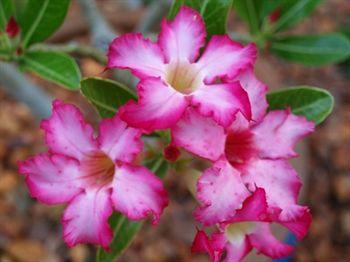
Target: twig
pixel 20 88
pixel 76 49
pixel 101 32
pixel 155 13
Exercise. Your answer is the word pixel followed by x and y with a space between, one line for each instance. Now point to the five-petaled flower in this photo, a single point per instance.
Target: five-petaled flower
pixel 250 228
pixel 94 175
pixel 172 77
pixel 246 155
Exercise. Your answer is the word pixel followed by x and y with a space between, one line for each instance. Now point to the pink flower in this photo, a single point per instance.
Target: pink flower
pixel 250 228
pixel 172 77
pixel 92 175
pixel 246 155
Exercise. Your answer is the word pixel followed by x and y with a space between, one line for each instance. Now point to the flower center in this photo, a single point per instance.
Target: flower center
pixel 183 77
pixel 236 232
pixel 98 168
pixel 239 147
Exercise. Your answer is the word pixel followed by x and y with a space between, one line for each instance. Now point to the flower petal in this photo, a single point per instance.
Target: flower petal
pixel 85 220
pixel 301 225
pixel 254 208
pixel 119 141
pixel 225 58
pixel 66 131
pixel 222 102
pixel 138 193
pixel 280 182
pixel 183 37
pixel 237 251
pixel 284 129
pixel 52 179
pixel 159 106
pixel 221 191
pixel 199 135
pixel 263 240
pixel 256 91
pixel 131 51
pixel 214 246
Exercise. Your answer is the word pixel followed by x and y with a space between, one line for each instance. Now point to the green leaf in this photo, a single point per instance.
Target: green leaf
pixel 6 10
pixel 214 13
pixel 313 49
pixel 53 66
pixel 124 232
pixel 312 102
pixel 251 12
pixel 41 18
pixel 292 11
pixel 124 229
pixel 106 95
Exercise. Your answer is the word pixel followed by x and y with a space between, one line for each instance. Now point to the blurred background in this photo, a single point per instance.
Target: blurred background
pixel 30 231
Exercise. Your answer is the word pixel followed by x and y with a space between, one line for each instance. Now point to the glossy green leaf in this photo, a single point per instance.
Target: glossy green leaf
pixel 6 10
pixel 53 66
pixel 41 18
pixel 312 102
pixel 251 11
pixel 313 49
pixel 106 95
pixel 124 229
pixel 293 11
pixel 214 13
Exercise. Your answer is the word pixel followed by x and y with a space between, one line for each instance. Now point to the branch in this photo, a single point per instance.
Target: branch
pixel 101 32
pixel 76 49
pixel 21 89
pixel 154 15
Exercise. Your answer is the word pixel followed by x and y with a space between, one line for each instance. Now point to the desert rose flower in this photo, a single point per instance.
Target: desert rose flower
pixel 247 154
pixel 174 77
pixel 92 175
pixel 250 228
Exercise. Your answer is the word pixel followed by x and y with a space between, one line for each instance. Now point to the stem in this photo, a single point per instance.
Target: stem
pixel 245 38
pixel 74 48
pixel 21 89
pixel 154 15
pixel 101 32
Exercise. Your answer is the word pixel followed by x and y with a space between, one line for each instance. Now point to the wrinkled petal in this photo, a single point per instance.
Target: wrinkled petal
pixel 214 246
pixel 280 181
pixel 199 135
pixel 284 129
pixel 119 141
pixel 138 193
pixel 52 179
pixel 254 208
pixel 66 131
pixel 225 58
pixel 301 225
pixel 222 102
pixel 256 91
pixel 131 51
pixel 220 191
pixel 183 37
pixel 263 240
pixel 85 220
pixel 159 106
pixel 237 251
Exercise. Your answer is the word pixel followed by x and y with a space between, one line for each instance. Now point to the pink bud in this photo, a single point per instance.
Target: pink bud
pixel 171 153
pixel 275 15
pixel 12 28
